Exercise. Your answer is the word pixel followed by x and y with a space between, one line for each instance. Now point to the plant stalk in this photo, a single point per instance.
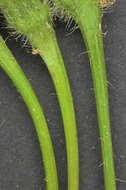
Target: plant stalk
pixel 15 73
pixel 88 15
pixel 90 26
pixel 54 62
pixel 34 21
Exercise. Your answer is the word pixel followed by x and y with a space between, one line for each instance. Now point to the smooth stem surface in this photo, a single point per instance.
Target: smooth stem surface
pixel 91 32
pixel 52 57
pixel 15 73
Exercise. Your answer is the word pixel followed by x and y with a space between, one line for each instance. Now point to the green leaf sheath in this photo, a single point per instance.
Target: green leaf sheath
pixel 15 73
pixel 33 20
pixel 90 26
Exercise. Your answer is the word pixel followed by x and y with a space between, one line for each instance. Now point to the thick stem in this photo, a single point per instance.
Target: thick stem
pixel 90 25
pixel 15 73
pixel 52 57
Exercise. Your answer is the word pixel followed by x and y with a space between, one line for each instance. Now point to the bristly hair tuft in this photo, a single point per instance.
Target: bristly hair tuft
pixel 63 16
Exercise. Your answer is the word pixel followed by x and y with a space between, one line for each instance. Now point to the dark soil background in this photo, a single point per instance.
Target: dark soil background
pixel 21 166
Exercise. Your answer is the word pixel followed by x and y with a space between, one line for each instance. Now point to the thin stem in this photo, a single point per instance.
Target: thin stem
pixel 15 73
pixel 91 32
pixel 52 57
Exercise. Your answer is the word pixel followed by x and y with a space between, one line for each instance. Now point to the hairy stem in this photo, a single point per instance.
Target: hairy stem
pixel 92 34
pixel 15 73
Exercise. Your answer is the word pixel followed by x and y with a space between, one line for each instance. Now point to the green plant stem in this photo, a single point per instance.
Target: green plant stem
pixel 33 19
pixel 92 34
pixel 87 14
pixel 15 73
pixel 52 57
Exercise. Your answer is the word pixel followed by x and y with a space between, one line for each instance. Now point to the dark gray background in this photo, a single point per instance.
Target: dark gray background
pixel 21 166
